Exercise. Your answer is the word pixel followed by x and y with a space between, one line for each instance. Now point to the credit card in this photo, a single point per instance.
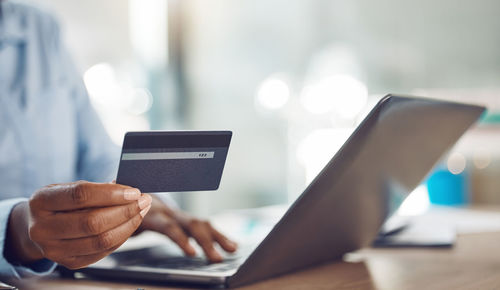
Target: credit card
pixel 170 161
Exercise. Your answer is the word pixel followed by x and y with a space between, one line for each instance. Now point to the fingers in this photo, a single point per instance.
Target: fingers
pixel 92 245
pixel 205 235
pixel 76 224
pixel 178 226
pixel 79 195
pixel 161 223
pixel 201 232
pixel 178 236
pixel 223 241
pixel 90 222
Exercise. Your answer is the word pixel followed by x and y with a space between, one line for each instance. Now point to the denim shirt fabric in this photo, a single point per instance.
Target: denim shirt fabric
pixel 49 132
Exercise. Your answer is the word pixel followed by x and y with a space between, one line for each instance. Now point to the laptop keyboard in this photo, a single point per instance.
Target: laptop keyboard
pixel 196 263
pixel 161 257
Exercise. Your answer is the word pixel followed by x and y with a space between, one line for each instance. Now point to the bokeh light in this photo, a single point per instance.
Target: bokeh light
pixel 140 101
pixel 121 106
pixel 105 90
pixel 481 159
pixel 273 93
pixel 456 163
pixel 101 84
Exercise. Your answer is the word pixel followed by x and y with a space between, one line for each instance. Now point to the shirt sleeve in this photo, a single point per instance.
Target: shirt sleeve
pixel 39 268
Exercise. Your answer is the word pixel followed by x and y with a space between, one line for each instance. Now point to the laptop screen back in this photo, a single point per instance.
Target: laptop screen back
pixel 342 210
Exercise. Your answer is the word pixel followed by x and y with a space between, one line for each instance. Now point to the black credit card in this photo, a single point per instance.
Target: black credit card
pixel 169 161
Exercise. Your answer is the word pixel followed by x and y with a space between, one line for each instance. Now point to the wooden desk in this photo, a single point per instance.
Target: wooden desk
pixel 474 263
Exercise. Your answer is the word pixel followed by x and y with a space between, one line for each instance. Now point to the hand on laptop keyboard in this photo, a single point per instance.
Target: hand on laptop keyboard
pixel 179 226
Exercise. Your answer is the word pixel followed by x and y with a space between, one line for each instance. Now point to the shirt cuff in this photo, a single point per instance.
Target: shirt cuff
pixel 38 268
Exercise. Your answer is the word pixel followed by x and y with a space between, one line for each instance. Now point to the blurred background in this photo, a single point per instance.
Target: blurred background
pixel 291 79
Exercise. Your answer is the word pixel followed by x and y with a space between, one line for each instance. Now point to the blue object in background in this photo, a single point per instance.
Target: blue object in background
pixel 446 188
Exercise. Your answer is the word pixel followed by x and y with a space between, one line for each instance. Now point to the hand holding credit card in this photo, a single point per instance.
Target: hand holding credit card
pixel 169 161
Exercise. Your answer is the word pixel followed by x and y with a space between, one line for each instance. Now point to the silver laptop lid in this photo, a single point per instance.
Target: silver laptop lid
pixel 343 208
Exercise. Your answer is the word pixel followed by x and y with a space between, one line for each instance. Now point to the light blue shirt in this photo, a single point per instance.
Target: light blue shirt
pixel 49 132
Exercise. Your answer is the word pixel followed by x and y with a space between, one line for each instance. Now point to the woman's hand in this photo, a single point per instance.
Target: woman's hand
pixel 74 224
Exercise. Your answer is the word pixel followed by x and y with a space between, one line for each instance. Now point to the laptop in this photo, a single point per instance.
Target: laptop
pixel 341 210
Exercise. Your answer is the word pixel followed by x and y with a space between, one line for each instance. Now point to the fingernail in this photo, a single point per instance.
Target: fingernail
pixel 145 211
pixel 131 194
pixel 232 244
pixel 191 251
pixel 144 201
pixel 216 255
